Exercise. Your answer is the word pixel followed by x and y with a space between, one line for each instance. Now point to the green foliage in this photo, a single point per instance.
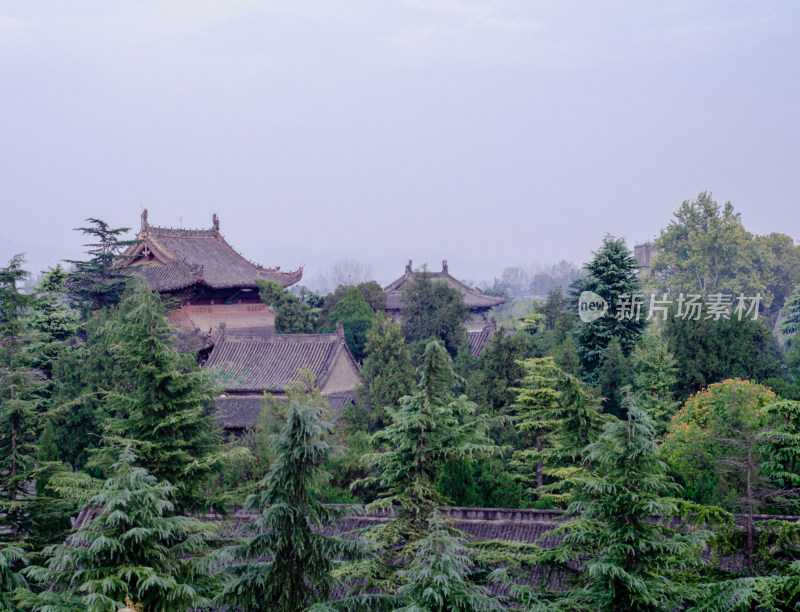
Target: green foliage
pixel 437 580
pixel 371 291
pixel 291 315
pixel 54 324
pixel 628 561
pixel 790 321
pixel 696 439
pixel 357 318
pixel 100 281
pixel 83 376
pixel 654 379
pixel 12 559
pixel 137 547
pixel 387 373
pixel 164 409
pixel 559 417
pixel 708 351
pixel 706 249
pixel 612 274
pixel 19 418
pixel 614 375
pixel 431 427
pixel 433 310
pixel 288 563
pixel 498 370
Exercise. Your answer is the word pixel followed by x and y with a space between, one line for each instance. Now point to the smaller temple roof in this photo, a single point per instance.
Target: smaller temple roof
pixel 475 299
pixel 249 361
pixel 240 412
pixel 479 338
pixel 173 259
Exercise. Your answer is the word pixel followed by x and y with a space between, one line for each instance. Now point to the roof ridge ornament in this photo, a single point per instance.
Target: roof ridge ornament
pixel 444 267
pixel 409 270
pixel 215 222
pixel 145 224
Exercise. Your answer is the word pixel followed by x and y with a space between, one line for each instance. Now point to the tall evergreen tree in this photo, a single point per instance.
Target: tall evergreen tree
pixel 165 407
pixel 655 376
pixel 100 281
pixel 288 562
pixel 137 547
pixel 12 559
pixel 437 580
pixel 790 320
pixel 19 420
pixel 387 373
pixel 627 561
pixel 612 275
pixel 431 427
pixel 561 417
pixel 613 375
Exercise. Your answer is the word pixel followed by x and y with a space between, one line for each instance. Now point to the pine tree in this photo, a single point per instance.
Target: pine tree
pixel 137 547
pixel 431 427
pixel 19 420
pixel 12 559
pixel 165 408
pixel 655 377
pixel 387 373
pixel 613 375
pixel 627 560
pixel 100 281
pixel 288 562
pixel 562 417
pixel 437 580
pixel 790 320
pixel 611 274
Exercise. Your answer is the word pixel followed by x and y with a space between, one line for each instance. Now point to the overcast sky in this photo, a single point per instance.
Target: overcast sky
pixel 485 133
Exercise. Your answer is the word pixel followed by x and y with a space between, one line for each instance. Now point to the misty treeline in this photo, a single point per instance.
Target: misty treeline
pixel 534 279
pixel 668 449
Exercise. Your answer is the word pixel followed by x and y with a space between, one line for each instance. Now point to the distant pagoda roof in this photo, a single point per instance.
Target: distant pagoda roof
pixel 172 259
pixel 475 299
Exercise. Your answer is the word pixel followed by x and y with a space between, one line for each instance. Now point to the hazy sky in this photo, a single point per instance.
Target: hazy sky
pixel 486 133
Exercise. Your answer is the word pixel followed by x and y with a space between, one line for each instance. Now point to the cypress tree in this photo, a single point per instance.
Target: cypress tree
pixel 137 547
pixel 287 564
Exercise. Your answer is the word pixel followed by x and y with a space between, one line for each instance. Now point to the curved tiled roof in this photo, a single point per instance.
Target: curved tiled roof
pixel 235 412
pixel 257 362
pixel 475 299
pixel 172 259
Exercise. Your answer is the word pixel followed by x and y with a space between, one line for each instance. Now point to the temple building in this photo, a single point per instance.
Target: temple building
pixel 211 281
pixel 479 303
pixel 250 363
